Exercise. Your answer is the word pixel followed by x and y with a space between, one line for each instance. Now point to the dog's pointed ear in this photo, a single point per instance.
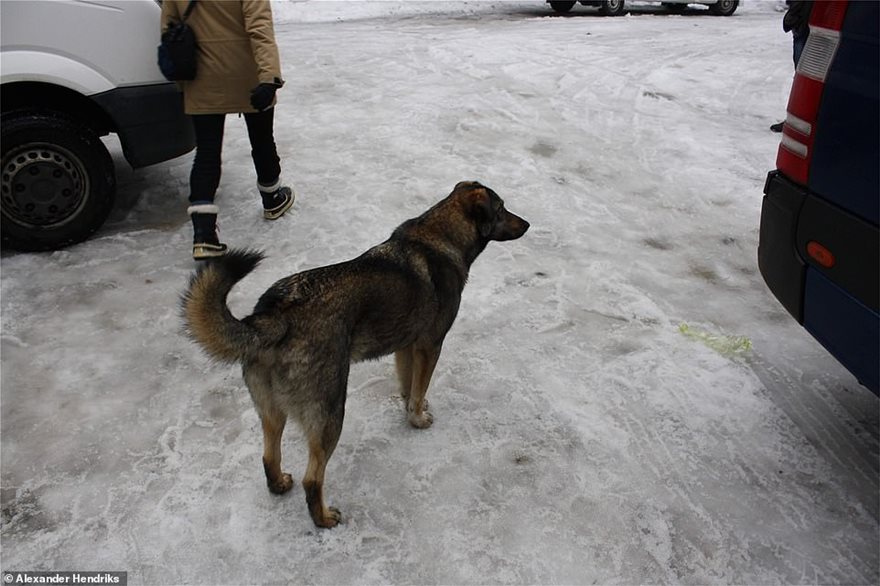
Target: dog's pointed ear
pixel 487 222
pixel 483 207
pixel 480 204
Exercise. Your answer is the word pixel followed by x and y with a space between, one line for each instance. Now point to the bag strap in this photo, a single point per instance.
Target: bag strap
pixel 189 9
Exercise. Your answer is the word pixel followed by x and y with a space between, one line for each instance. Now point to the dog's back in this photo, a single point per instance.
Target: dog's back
pixel 373 305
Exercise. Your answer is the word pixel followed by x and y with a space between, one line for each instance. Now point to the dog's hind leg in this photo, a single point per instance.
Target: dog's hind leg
pixel 423 362
pixel 322 442
pixel 273 427
pixel 403 360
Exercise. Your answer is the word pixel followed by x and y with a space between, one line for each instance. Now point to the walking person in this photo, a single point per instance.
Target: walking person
pixel 238 72
pixel 797 22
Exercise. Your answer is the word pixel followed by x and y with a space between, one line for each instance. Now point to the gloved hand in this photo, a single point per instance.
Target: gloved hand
pixel 262 95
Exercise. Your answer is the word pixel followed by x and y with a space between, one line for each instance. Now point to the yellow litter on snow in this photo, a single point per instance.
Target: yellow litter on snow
pixel 724 345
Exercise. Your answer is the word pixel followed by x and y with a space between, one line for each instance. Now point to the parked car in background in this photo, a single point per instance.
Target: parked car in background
pixel 73 72
pixel 819 250
pixel 618 7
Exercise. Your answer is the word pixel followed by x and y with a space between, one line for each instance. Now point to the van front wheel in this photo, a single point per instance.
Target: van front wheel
pixel 724 7
pixel 58 182
pixel 612 7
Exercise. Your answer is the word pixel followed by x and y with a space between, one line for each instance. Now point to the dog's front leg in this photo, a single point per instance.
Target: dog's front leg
pixel 423 362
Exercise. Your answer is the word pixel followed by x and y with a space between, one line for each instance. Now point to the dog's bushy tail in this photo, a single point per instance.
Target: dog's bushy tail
pixel 205 313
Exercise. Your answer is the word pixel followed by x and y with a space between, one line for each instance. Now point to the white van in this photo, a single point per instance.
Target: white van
pixel 71 72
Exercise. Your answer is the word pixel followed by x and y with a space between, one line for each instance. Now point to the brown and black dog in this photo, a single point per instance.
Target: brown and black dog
pixel 295 349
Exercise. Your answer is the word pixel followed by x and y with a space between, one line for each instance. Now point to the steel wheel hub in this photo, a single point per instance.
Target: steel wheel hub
pixel 42 185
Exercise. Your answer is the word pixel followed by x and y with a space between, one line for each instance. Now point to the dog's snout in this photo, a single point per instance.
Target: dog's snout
pixel 521 227
pixel 511 227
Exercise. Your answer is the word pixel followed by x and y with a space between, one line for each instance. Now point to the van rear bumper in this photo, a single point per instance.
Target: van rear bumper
pixel 837 305
pixel 150 122
pixel 781 265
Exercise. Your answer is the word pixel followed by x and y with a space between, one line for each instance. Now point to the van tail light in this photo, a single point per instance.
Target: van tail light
pixel 798 134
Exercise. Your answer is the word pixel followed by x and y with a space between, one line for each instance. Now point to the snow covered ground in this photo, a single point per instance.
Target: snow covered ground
pixel 598 418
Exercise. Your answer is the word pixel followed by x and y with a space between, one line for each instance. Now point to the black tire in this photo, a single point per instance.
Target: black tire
pixel 562 7
pixel 612 7
pixel 58 182
pixel 724 7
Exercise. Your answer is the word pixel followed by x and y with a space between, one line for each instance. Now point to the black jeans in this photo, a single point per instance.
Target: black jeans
pixel 205 175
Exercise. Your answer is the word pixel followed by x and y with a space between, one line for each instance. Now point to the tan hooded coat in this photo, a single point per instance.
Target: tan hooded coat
pixel 237 52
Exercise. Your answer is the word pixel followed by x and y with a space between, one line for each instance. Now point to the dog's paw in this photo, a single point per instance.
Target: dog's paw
pixel 422 420
pixel 331 518
pixel 281 485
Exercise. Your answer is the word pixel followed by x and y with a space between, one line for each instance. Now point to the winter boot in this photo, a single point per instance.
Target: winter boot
pixel 206 244
pixel 277 199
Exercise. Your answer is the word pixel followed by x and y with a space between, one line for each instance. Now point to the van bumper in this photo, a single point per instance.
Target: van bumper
pixel 150 122
pixel 837 305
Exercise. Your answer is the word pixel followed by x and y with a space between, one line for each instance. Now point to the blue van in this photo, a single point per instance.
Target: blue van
pixel 819 251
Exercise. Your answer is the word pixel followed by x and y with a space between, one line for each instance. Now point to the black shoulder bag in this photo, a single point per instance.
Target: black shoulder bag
pixel 177 53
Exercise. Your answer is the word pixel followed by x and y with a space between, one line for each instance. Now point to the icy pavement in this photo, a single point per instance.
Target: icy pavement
pixel 581 434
